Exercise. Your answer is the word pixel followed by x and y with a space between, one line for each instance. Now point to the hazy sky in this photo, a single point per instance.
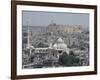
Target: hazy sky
pixel 38 18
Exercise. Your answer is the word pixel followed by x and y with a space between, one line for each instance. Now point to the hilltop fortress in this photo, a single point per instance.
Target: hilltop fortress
pixel 52 27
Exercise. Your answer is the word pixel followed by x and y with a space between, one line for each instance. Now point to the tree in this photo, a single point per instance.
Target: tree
pixel 71 53
pixel 69 60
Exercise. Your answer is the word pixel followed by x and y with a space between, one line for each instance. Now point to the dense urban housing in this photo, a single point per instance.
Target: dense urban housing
pixel 55 45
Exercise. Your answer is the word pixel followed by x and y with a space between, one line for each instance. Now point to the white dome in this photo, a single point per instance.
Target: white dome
pixel 60 40
pixel 30 47
pixel 55 46
pixel 60 44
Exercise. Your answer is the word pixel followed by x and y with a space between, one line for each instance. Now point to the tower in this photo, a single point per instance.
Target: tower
pixel 28 37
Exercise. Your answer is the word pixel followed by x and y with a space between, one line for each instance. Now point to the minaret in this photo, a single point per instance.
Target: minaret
pixel 28 34
pixel 28 37
pixel 28 40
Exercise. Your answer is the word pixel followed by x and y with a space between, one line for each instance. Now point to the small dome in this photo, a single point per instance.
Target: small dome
pixel 30 47
pixel 55 45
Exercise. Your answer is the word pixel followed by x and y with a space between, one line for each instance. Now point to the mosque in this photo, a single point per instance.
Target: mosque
pixel 60 46
pixel 57 48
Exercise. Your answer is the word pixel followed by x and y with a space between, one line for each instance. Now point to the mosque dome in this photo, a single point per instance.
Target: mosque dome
pixel 60 40
pixel 60 44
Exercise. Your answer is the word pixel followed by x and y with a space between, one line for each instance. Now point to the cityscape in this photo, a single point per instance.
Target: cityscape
pixel 55 39
pixel 55 45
